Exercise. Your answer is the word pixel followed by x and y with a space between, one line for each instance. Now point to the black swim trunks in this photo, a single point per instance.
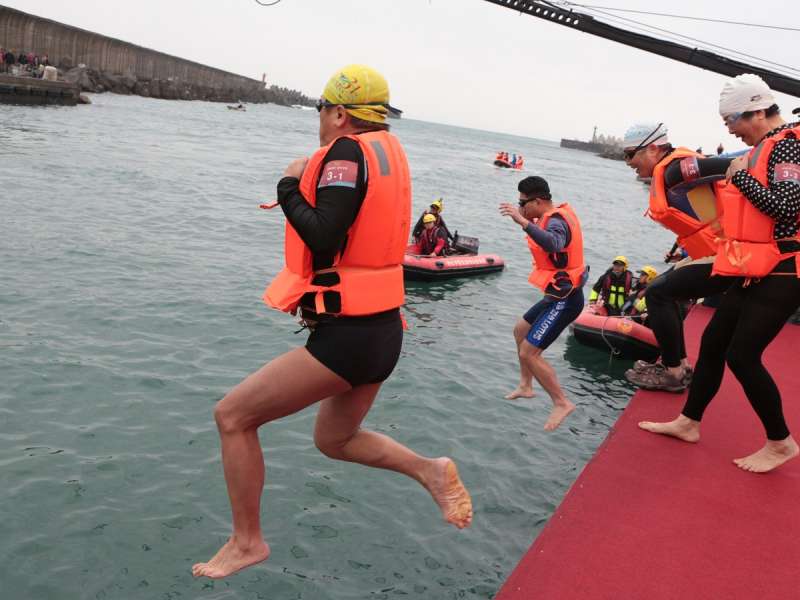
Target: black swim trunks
pixel 360 350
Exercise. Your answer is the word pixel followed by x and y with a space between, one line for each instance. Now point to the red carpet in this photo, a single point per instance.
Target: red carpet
pixel 653 518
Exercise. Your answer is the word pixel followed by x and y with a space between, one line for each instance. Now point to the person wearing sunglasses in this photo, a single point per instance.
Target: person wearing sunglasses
pixel 683 199
pixel 348 211
pixel 555 240
pixel 759 253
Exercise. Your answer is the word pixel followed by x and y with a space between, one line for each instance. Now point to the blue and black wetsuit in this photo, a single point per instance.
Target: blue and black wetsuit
pixel 550 316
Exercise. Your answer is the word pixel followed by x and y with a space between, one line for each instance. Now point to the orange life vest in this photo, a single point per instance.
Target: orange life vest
pixel 749 247
pixel 696 236
pixel 367 277
pixel 545 275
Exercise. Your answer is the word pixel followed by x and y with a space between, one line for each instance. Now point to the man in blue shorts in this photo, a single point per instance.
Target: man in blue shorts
pixel 556 243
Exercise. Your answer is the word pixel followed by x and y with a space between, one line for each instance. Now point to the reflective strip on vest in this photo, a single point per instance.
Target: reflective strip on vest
pixel 382 160
pixel 616 295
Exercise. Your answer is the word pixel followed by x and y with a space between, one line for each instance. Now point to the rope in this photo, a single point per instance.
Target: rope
pixel 614 351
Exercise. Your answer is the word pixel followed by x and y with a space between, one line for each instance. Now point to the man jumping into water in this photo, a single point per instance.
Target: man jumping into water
pixel 555 240
pixel 357 188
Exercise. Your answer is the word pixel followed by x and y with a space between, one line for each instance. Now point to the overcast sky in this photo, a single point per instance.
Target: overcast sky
pixel 461 62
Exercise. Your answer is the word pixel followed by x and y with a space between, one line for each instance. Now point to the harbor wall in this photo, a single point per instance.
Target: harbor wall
pixel 68 46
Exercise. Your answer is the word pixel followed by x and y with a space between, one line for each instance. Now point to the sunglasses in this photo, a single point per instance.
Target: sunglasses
pixel 616 263
pixel 524 202
pixel 321 103
pixel 732 118
pixel 630 153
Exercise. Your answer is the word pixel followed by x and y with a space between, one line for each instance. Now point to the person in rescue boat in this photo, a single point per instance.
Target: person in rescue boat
pixel 555 240
pixel 433 240
pixel 683 199
pixel 436 208
pixel 760 253
pixel 613 287
pixel 348 212
pixel 636 304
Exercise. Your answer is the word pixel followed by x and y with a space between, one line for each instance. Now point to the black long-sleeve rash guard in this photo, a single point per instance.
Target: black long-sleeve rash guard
pixel 341 188
pixel 684 170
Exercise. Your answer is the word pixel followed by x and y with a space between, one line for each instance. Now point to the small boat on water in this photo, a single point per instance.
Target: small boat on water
pixel 462 261
pixel 622 335
pixel 504 164
pixel 240 107
pixel 435 268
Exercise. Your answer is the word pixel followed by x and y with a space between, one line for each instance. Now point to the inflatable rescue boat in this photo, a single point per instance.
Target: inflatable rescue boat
pixel 622 335
pixel 462 260
pixel 434 268
pixel 498 162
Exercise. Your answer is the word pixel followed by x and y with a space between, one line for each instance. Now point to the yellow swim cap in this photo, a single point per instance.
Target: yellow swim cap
pixel 429 218
pixel 362 90
pixel 438 203
pixel 621 259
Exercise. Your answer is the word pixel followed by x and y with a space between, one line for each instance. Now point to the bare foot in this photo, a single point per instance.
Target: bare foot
pixel 772 455
pixel 521 392
pixel 450 494
pixel 231 558
pixel 558 414
pixel 682 428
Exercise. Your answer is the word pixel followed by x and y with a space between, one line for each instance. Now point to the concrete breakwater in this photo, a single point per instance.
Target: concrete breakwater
pixel 27 90
pixel 97 63
pixel 606 150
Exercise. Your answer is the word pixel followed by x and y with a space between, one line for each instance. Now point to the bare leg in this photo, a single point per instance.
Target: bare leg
pixel 525 387
pixel 546 376
pixel 771 456
pixel 270 393
pixel 338 435
pixel 683 428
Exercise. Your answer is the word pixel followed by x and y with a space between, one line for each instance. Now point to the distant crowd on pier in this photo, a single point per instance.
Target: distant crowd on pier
pixel 23 63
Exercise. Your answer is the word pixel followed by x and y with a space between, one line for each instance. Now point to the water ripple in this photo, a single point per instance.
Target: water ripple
pixel 131 304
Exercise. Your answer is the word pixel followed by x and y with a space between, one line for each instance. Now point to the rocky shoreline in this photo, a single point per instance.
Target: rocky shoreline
pixel 97 82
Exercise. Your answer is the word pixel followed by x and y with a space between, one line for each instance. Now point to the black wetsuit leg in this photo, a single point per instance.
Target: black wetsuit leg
pixel 745 323
pixel 664 296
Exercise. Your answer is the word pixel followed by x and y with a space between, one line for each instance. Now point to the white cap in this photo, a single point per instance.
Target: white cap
pixel 644 134
pixel 744 93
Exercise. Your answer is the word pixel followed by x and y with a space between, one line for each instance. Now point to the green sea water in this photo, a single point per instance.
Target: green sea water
pixel 132 259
